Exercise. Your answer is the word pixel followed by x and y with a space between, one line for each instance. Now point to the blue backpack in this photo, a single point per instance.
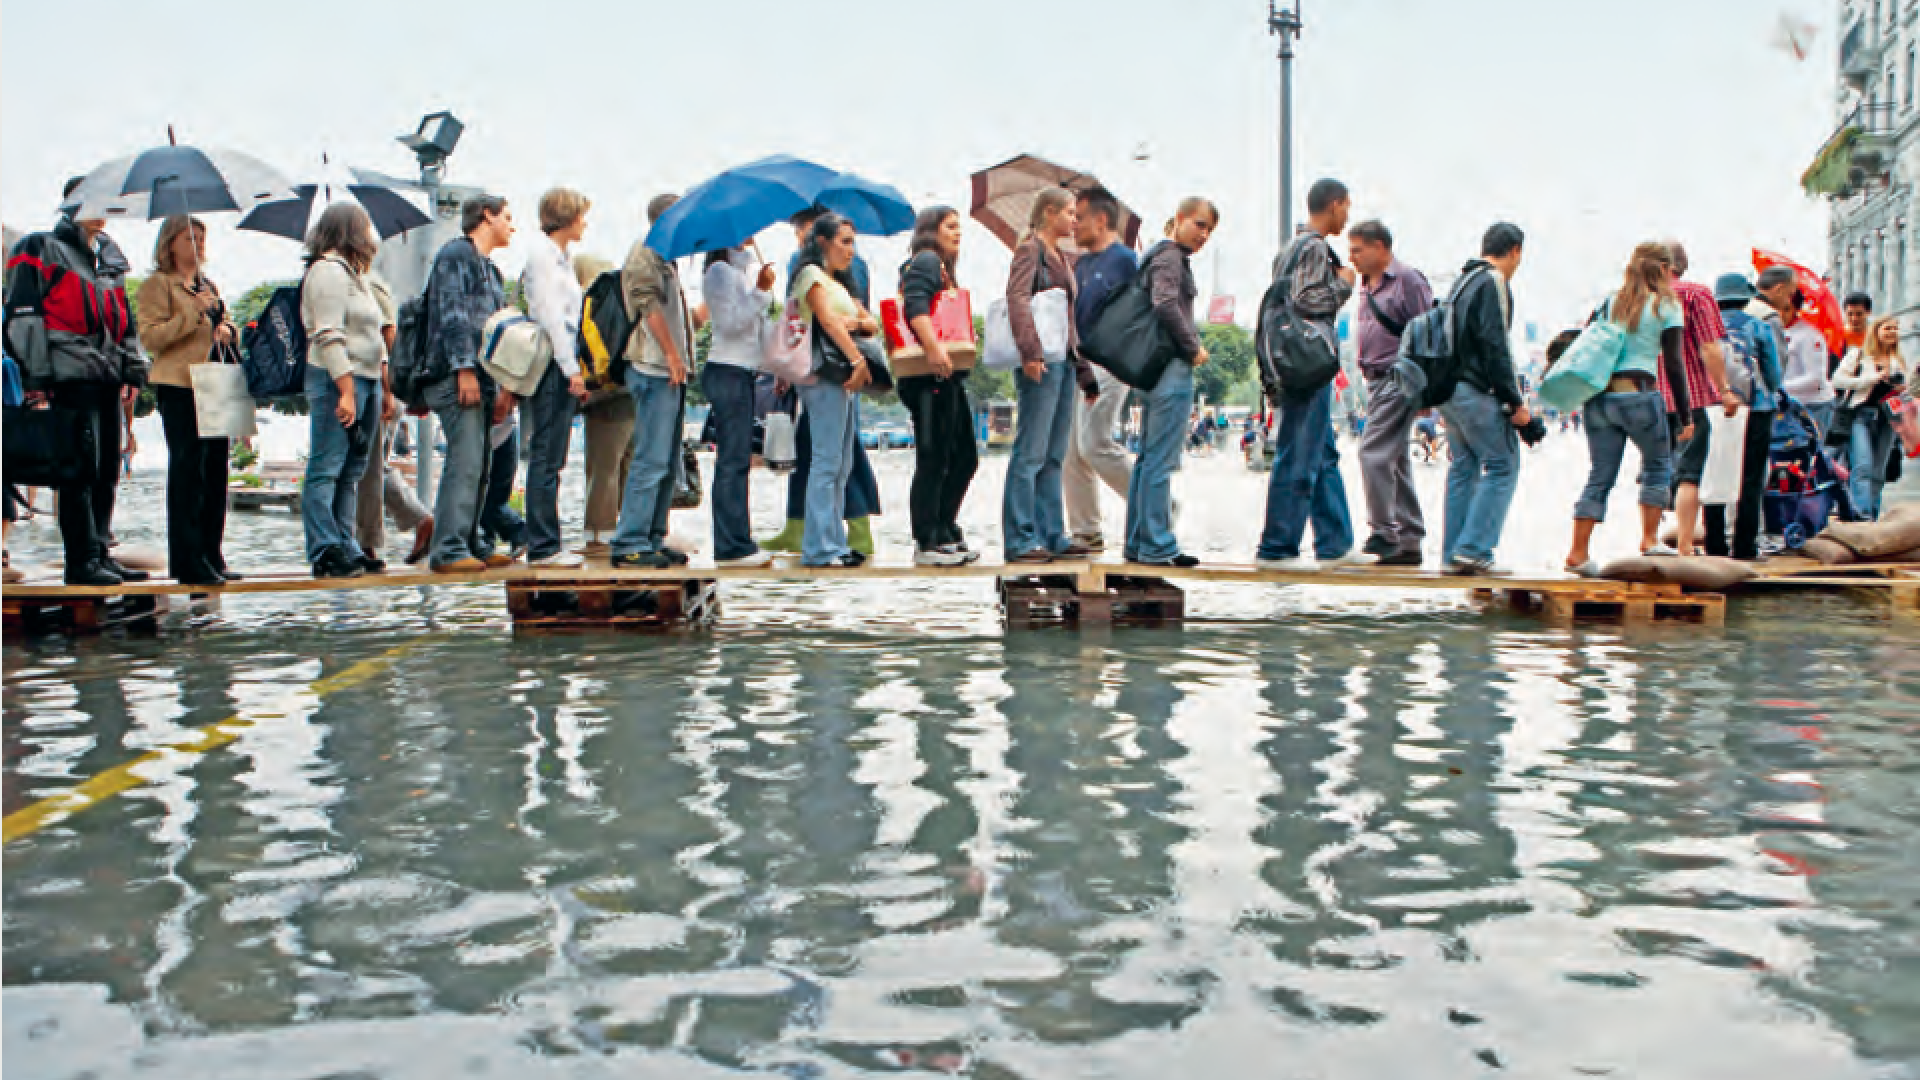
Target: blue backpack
pixel 274 348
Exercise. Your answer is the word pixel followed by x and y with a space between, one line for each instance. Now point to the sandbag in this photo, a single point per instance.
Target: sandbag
pixel 1903 557
pixel 1870 540
pixel 1827 552
pixel 1694 572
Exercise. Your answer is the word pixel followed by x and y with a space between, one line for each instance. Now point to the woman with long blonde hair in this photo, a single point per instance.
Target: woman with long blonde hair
pixel 1869 376
pixel 1631 409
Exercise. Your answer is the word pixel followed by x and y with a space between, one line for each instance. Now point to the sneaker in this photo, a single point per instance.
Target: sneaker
pixel 1074 550
pixel 674 558
pixel 1035 557
pixel 1380 546
pixel 1467 566
pixel 755 560
pixel 1661 551
pixel 1093 542
pixel 1299 564
pixel 1588 569
pixel 1402 559
pixel 852 559
pixel 334 563
pixel 559 559
pixel 642 560
pixel 939 557
pixel 967 555
pixel 373 564
pixel 1182 561
pixel 468 565
pixel 1352 560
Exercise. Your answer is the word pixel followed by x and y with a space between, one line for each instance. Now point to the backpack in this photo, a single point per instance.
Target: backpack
pixel 1296 357
pixel 605 329
pixel 1743 361
pixel 1429 345
pixel 274 347
pixel 408 365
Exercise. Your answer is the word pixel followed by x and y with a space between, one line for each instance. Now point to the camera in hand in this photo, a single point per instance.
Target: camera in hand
pixel 1534 431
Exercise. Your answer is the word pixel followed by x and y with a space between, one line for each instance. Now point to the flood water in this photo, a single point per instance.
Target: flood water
pixel 859 830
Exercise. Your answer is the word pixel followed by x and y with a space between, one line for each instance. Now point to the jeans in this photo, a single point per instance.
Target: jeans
pixel 609 433
pixel 1753 489
pixel 196 487
pixel 1095 457
pixel 1306 483
pixel 1613 420
pixel 835 416
pixel 336 457
pixel 863 488
pixel 86 511
pixel 1386 467
pixel 730 389
pixel 1869 448
pixel 1163 436
pixel 1031 515
pixel 463 476
pixel 500 523
pixel 548 415
pixel 1483 475
pixel 945 456
pixel 1823 418
pixel 656 444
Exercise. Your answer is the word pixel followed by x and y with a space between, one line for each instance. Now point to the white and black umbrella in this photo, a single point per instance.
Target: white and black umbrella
pixel 171 179
pixel 392 213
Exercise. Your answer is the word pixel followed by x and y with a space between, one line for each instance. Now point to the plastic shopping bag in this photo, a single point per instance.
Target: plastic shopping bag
pixel 1720 484
pixel 1906 423
pixel 786 344
pixel 222 408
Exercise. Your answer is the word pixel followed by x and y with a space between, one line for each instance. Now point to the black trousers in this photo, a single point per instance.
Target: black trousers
pixel 86 510
pixel 945 456
pixel 196 488
pixel 1753 486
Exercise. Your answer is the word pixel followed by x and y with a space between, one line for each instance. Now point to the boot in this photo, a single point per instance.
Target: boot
pixel 788 538
pixel 860 535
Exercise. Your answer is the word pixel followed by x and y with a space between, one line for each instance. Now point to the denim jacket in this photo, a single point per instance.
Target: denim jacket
pixel 463 292
pixel 1766 348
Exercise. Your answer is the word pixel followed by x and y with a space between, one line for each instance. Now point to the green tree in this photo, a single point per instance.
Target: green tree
pixel 1229 369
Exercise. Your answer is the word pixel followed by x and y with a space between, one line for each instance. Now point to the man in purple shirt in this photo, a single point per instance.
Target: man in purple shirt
pixel 1392 294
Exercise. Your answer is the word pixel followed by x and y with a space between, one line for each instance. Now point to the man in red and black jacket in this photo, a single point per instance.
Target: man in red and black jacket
pixel 69 327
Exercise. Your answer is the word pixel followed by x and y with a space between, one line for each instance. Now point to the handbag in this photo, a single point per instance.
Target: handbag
pixel 1904 413
pixel 1726 450
pixel 515 351
pixel 222 408
pixel 1128 338
pixel 832 365
pixel 51 448
pixel 1588 364
pixel 952 318
pixel 786 348
pixel 1052 312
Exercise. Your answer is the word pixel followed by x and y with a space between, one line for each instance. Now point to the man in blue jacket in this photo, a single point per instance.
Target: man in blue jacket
pixel 1753 344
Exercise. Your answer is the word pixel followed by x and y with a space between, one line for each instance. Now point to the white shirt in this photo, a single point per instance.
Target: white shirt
pixel 555 299
pixel 1803 370
pixel 736 310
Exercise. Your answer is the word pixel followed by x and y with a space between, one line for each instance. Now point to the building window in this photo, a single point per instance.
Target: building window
pixel 1913 57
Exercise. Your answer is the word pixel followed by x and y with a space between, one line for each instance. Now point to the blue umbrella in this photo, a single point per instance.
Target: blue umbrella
pixel 876 209
pixel 731 208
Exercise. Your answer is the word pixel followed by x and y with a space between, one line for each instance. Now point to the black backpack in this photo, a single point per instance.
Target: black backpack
pixel 274 348
pixel 411 363
pixel 1297 358
pixel 1430 345
pixel 604 332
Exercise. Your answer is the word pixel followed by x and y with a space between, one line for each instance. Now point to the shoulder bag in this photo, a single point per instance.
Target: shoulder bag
pixel 1588 364
pixel 1128 338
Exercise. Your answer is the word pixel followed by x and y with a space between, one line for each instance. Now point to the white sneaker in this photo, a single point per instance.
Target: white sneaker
pixel 564 559
pixel 1299 564
pixel 940 557
pixel 1661 551
pixel 757 559
pixel 1353 559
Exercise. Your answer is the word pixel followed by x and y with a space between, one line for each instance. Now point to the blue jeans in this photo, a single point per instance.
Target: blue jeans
pixel 336 457
pixel 1613 420
pixel 863 488
pixel 549 421
pixel 730 389
pixel 1163 436
pixel 1869 448
pixel 463 480
pixel 1032 516
pixel 835 417
pixel 1306 483
pixel 1484 473
pixel 1823 418
pixel 656 442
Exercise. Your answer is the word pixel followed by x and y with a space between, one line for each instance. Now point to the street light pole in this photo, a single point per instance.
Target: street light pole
pixel 1285 24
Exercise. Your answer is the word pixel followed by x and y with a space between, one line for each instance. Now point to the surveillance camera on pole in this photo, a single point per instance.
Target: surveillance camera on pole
pixel 1284 23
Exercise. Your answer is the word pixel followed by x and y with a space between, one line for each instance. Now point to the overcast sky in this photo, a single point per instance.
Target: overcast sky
pixel 1592 125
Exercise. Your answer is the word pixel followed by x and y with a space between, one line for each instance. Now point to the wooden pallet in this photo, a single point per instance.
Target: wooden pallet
pixel 77 616
pixel 587 605
pixel 1033 603
pixel 1628 605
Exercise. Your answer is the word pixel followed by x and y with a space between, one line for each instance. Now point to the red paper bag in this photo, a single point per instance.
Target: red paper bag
pixel 952 316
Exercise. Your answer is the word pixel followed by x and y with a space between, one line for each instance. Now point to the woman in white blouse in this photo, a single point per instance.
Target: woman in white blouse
pixel 554 299
pixel 1868 377
pixel 738 288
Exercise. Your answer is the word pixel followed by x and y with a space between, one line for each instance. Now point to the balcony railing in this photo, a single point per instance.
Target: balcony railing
pixel 1860 51
pixel 1858 155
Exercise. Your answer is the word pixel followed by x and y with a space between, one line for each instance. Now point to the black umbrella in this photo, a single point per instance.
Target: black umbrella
pixel 172 179
pixel 392 212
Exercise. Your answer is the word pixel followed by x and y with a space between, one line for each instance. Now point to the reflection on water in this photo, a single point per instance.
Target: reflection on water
pixel 1421 844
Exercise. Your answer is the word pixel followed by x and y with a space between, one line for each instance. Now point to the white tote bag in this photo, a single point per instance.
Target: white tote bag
pixel 1052 312
pixel 786 345
pixel 1720 484
pixel 221 407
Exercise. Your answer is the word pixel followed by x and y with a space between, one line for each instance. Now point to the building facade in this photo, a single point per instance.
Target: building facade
pixel 1869 167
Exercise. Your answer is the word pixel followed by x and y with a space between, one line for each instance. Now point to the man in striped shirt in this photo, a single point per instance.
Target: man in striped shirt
pixel 1707 386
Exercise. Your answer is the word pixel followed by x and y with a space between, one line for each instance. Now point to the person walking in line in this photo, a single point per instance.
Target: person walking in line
pixel 1487 409
pixel 945 455
pixel 181 319
pixel 384 490
pixel 863 487
pixel 738 288
pixel 821 293
pixel 659 361
pixel 1632 409
pixel 464 290
pixel 74 345
pixel 1306 482
pixel 1706 365
pixel 554 299
pixel 346 370
pixel 1759 348
pixel 1868 377
pixel 1808 376
pixel 1094 455
pixel 608 428
pixel 1032 520
pixel 1163 425
pixel 1392 294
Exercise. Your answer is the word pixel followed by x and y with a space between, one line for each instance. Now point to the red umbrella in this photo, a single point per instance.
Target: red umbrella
pixel 1003 196
pixel 1822 308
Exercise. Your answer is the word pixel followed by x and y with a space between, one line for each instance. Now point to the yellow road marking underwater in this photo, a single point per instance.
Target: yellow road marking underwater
pixel 123 778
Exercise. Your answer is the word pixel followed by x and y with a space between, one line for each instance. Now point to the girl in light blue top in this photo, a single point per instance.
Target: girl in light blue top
pixel 1632 409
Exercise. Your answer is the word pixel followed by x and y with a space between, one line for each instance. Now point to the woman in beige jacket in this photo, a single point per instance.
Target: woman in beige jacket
pixel 181 319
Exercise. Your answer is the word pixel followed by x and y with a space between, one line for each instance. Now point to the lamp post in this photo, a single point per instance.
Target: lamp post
pixel 1284 23
pixel 432 143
